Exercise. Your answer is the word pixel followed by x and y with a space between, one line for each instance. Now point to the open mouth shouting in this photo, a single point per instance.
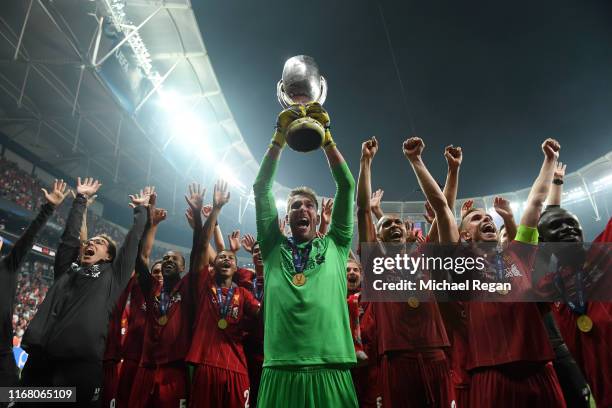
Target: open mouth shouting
pixel 396 234
pixel 168 267
pixel 488 231
pixel 303 224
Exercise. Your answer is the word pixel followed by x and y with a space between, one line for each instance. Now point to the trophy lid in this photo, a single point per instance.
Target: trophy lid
pixel 301 79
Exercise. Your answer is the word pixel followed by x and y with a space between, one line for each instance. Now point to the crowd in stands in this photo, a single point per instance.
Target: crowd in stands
pixel 32 285
pixel 24 189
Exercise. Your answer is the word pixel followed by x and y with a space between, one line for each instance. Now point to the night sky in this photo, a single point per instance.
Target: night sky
pixel 496 78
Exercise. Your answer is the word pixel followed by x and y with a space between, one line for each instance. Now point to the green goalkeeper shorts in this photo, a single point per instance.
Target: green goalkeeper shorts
pixel 306 387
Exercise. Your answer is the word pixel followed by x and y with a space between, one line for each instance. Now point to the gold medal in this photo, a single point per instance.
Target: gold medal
pixel 413 302
pixel 503 292
pixel 299 279
pixel 222 324
pixel 584 323
pixel 163 320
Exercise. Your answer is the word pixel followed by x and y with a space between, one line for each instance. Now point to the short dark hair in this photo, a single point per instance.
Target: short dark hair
pixel 112 245
pixel 180 254
pixel 471 210
pixel 158 261
pixel 549 211
pixel 304 191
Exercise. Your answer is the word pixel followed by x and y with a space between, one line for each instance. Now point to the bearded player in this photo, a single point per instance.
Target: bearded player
pixel 161 379
pixel 308 348
pixel 411 336
pixel 506 370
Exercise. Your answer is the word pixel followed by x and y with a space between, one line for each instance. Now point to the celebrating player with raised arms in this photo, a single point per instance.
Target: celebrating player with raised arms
pixel 506 370
pixel 411 336
pixel 161 379
pixel 221 375
pixel 308 347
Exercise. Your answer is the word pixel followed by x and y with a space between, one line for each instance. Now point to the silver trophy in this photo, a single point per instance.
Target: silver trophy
pixel 301 84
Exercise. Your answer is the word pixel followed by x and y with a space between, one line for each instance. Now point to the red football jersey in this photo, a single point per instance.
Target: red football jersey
pixel 506 332
pixel 401 327
pixel 213 345
pixel 114 337
pixel 591 350
pixel 136 311
pixel 455 320
pixel 354 320
pixel 169 342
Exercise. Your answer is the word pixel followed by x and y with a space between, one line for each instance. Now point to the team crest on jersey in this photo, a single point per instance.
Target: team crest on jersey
pixel 513 271
pixel 235 312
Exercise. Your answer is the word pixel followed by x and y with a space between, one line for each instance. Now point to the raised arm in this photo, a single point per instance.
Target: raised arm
pixel 124 263
pixel 90 201
pixel 365 225
pixel 341 228
pixel 155 217
pixel 556 190
pixel 503 208
pixel 375 204
pixel 541 186
pixel 326 210
pixel 447 225
pixel 195 202
pixel 454 157
pixel 24 244
pixel 265 205
pixel 70 242
pixel 203 235
pixel 212 254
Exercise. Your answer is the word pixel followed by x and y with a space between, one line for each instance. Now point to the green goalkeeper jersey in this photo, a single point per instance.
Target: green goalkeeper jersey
pixel 305 325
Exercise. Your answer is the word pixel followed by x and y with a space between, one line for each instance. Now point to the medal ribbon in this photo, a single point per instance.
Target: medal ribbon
pixel 224 306
pixel 164 302
pixel 300 256
pixel 256 292
pixel 499 265
pixel 580 307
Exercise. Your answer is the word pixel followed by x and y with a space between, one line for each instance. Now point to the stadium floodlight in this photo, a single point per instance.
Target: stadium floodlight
pixel 227 174
pixel 281 204
pixel 169 100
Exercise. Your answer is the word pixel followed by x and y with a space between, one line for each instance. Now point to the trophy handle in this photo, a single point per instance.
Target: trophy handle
pixel 283 99
pixel 323 94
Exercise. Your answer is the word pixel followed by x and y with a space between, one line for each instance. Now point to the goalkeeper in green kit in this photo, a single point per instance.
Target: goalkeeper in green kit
pixel 308 348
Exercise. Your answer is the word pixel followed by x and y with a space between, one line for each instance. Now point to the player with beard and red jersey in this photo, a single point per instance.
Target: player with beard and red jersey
pixel 161 379
pixel 366 374
pixel 221 375
pixel 509 356
pixel 589 343
pixel 411 336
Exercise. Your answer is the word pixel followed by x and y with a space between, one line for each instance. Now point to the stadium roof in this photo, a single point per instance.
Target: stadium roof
pixel 122 90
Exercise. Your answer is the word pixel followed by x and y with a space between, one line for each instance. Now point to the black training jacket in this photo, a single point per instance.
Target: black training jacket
pixel 72 321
